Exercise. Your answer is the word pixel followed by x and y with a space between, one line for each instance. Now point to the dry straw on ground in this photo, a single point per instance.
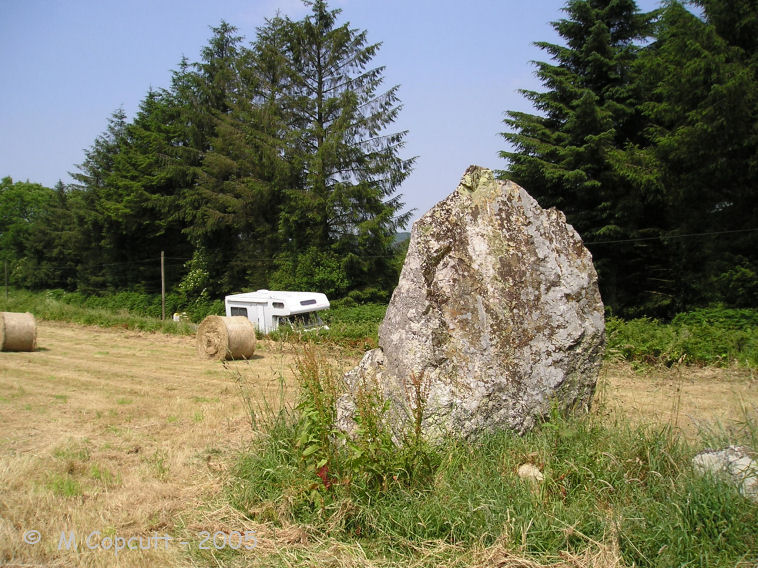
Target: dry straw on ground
pixel 102 431
pixel 18 332
pixel 596 554
pixel 226 338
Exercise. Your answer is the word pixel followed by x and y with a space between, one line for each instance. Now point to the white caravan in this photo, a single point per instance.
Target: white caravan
pixel 268 309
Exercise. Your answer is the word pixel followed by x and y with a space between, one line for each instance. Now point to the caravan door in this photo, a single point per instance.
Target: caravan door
pixel 266 324
pixel 254 311
pixel 262 313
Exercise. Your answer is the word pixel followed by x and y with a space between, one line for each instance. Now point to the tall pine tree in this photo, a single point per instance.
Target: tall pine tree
pixel 582 152
pixel 345 208
pixel 216 205
pixel 263 162
pixel 702 76
pixel 240 184
pixel 148 178
pixel 95 203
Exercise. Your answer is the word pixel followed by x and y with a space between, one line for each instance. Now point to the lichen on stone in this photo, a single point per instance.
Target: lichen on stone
pixel 498 307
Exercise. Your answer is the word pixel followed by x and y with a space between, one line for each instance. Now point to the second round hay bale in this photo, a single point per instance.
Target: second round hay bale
pixel 220 337
pixel 18 332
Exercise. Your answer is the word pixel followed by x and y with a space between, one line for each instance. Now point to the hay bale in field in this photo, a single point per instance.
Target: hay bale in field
pixel 221 338
pixel 18 332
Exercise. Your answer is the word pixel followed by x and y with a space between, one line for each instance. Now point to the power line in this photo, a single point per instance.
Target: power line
pixel 181 261
pixel 664 237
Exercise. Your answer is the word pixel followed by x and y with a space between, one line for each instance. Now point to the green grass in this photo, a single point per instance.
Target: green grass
pixel 73 451
pixel 140 303
pixel 157 464
pixel 713 336
pixel 634 484
pixel 350 325
pixel 709 336
pixel 201 399
pixel 104 476
pixel 64 485
pixel 607 483
pixel 54 307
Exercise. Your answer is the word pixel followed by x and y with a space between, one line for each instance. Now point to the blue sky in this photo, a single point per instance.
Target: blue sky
pixel 68 64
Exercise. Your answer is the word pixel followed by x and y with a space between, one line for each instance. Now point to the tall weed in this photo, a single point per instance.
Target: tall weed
pixel 331 464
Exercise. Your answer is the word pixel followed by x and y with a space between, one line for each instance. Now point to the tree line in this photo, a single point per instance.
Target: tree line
pixel 266 164
pixel 646 136
pixel 270 164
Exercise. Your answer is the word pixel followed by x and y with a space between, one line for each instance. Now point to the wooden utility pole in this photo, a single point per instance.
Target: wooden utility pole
pixel 163 289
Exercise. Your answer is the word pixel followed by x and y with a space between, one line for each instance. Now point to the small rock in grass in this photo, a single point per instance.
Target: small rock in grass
pixel 530 472
pixel 734 465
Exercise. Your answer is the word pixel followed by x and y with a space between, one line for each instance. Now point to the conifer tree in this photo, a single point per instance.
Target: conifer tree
pixel 214 204
pixel 276 151
pixel 93 197
pixel 148 178
pixel 581 152
pixel 240 183
pixel 345 204
pixel 702 76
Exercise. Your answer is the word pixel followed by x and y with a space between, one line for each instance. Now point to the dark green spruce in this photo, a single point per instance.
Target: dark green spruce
pixel 580 151
pixel 344 211
pixel 264 164
pixel 701 80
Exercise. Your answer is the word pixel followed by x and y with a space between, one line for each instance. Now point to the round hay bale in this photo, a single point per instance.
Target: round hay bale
pixel 18 332
pixel 222 338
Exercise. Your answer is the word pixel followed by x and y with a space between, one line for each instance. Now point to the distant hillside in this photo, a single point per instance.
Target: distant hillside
pixel 400 237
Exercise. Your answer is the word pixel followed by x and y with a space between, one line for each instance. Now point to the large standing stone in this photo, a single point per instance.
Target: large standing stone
pixel 497 317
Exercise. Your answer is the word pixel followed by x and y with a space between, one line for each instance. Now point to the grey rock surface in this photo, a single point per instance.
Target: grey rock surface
pixel 734 465
pixel 496 318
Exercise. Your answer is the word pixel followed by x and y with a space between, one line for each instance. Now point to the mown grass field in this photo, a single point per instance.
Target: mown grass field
pixel 115 432
pixel 711 336
pixel 128 433
pixel 125 433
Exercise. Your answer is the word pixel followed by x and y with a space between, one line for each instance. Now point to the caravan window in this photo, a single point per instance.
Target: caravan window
pixel 278 305
pixel 307 302
pixel 239 311
pixel 302 321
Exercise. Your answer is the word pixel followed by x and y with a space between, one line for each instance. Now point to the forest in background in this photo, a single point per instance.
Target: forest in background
pixel 266 164
pixel 646 137
pixel 272 164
